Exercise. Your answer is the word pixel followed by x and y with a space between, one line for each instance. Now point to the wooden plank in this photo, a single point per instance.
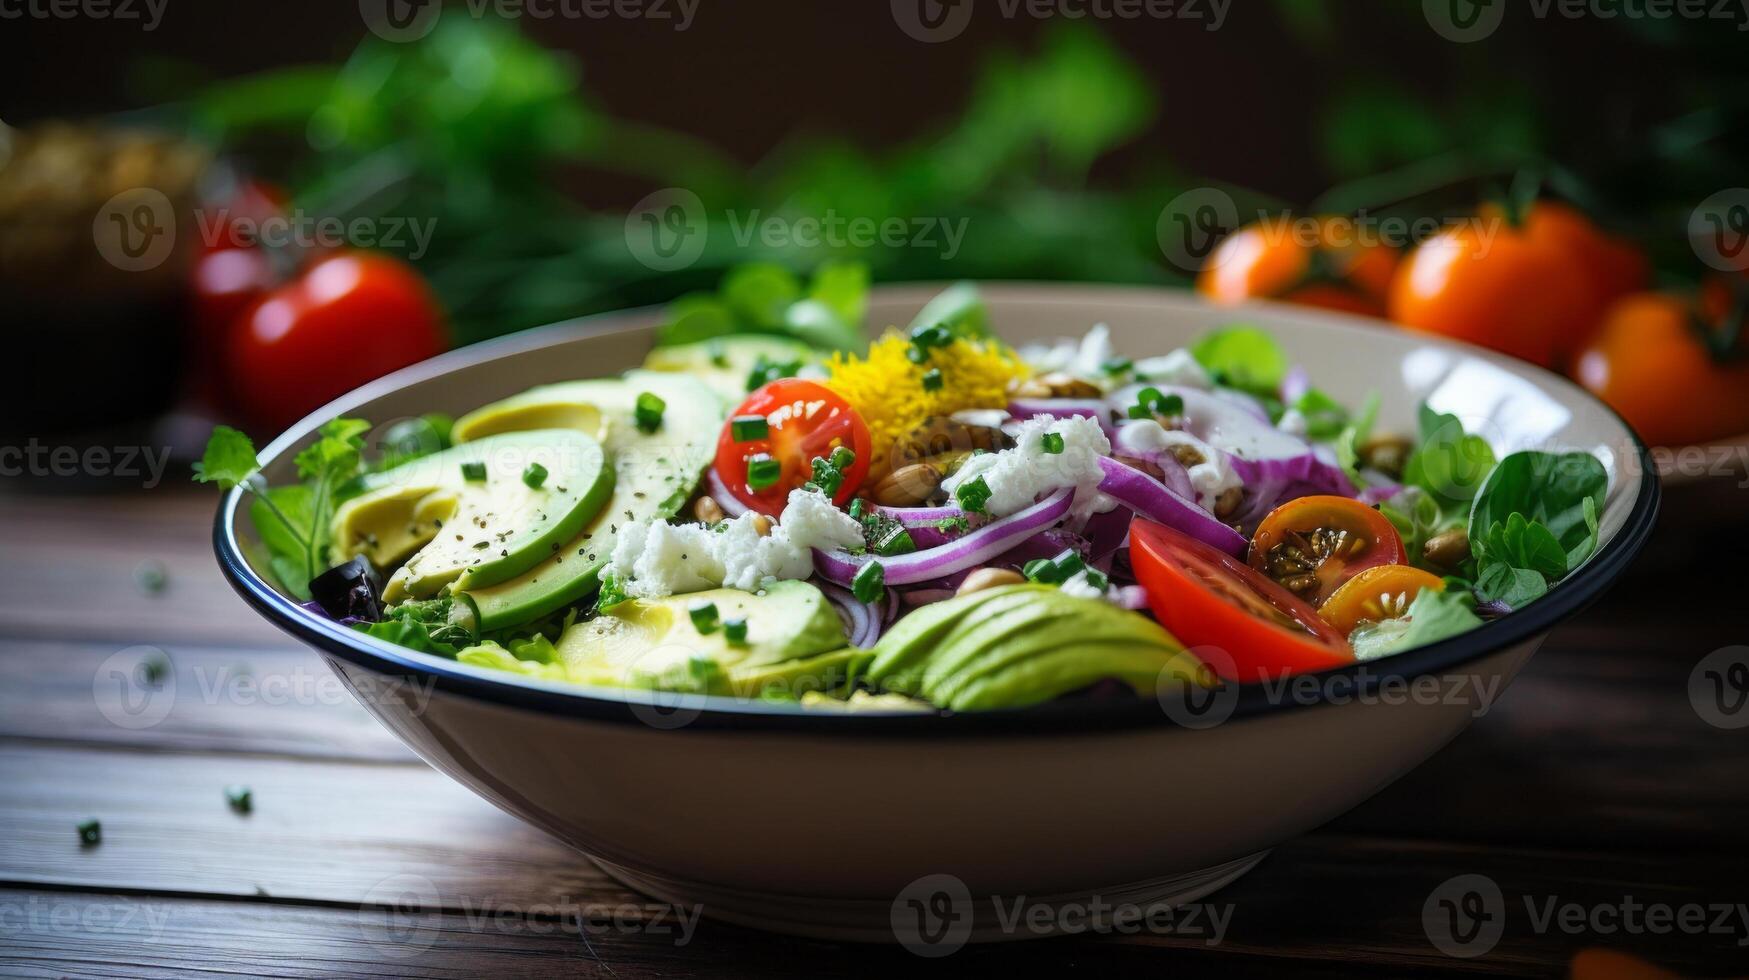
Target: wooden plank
pixel 94 935
pixel 319 831
pixel 70 567
pixel 343 834
pixel 276 701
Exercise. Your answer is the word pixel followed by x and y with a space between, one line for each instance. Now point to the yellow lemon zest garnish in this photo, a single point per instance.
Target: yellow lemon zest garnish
pixel 886 389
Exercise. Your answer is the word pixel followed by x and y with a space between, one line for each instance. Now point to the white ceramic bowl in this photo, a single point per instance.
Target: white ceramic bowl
pixel 825 824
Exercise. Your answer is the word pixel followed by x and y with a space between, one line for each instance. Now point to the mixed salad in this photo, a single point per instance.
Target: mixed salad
pixel 938 520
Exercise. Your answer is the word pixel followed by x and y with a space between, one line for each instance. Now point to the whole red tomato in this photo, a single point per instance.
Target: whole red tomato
pixel 350 318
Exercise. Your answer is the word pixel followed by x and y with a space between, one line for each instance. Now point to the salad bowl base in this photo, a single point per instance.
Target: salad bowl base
pixel 936 914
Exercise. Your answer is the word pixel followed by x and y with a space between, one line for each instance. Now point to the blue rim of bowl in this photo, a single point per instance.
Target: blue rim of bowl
pixel 721 713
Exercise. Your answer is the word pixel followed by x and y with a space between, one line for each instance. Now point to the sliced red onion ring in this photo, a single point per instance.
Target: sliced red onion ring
pixel 719 491
pixel 862 621
pixel 1294 385
pixel 1150 498
pixel 976 548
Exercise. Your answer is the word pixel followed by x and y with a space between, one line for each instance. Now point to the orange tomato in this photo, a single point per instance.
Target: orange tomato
pixel 1494 285
pixel 1328 263
pixel 1376 594
pixel 1615 266
pixel 1310 546
pixel 1647 363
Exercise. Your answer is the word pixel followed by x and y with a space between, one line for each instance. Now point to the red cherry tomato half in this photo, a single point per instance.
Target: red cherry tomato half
pixel 803 421
pixel 351 318
pixel 1310 546
pixel 1209 599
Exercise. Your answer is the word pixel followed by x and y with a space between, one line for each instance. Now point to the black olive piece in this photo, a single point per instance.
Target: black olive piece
pixel 349 590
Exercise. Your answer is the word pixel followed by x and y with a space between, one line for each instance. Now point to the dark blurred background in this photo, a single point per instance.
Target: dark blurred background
pixel 527 138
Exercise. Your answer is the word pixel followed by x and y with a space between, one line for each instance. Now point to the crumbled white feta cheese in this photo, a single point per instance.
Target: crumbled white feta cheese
pixel 657 558
pixel 1209 478
pixel 1084 358
pixel 1177 368
pixel 1081 586
pixel 1017 477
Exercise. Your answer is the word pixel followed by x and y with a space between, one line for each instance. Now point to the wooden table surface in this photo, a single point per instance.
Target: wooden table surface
pixel 1592 789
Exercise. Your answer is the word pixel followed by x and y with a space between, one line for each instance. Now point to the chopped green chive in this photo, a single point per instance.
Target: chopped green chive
pixel 766 371
pixel 648 412
pixel 972 495
pixel 895 540
pixel 762 472
pixel 916 355
pixel 474 472
pixel 827 478
pixel 241 799
pixel 704 616
pixel 870 583
pixel 1116 365
pixel 842 458
pixel 91 833
pixel 932 379
pixel 746 428
pixel 735 631
pixel 154 668
pixel 1053 443
pixel 1151 403
pixel 719 357
pixel 931 336
pixel 858 509
pixel 534 476
pixel 1056 571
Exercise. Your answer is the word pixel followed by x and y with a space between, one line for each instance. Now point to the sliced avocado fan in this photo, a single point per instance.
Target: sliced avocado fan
pixel 476 514
pixel 1020 645
pixel 656 469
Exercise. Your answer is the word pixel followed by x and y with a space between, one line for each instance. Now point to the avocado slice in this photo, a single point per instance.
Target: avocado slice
pixel 655 474
pixel 1019 645
pixel 794 639
pixel 443 527
pixel 724 363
